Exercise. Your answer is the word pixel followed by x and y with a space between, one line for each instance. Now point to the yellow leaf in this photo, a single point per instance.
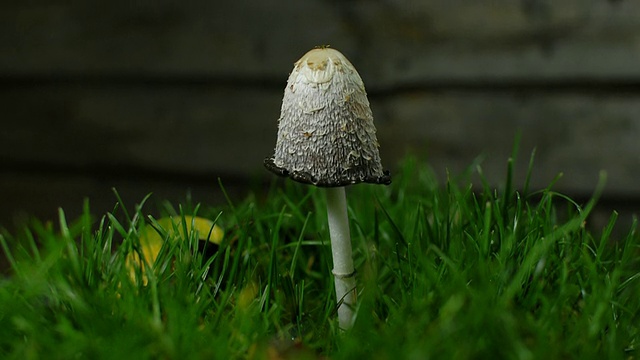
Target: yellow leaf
pixel 151 241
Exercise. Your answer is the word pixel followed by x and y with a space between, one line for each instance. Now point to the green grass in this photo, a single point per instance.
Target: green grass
pixel 444 271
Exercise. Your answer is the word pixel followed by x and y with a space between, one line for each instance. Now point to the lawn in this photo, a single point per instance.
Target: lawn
pixel 444 270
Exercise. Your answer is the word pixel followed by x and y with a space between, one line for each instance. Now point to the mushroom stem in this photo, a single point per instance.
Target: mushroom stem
pixel 343 270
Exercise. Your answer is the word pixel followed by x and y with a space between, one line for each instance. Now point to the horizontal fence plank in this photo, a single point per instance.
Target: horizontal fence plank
pixel 162 129
pixel 392 43
pixel 574 134
pixel 209 132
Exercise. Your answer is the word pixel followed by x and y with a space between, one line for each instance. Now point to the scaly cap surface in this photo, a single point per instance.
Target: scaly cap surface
pixel 326 135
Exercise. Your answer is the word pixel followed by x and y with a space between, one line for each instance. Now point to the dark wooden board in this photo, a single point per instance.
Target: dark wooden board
pixel 392 42
pixel 212 131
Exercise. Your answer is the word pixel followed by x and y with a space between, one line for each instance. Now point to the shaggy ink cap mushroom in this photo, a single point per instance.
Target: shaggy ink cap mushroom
pixel 326 135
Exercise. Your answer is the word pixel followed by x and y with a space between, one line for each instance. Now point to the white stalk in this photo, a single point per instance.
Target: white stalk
pixel 343 270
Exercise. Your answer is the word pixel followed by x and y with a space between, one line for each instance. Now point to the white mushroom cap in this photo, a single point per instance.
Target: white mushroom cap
pixel 326 134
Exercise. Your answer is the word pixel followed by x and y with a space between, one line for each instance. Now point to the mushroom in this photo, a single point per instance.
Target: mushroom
pixel 326 138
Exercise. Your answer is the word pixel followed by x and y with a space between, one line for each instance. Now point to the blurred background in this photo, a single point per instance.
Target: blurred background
pixel 167 97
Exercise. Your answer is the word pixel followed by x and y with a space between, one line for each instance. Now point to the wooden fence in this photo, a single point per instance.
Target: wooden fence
pixel 161 96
